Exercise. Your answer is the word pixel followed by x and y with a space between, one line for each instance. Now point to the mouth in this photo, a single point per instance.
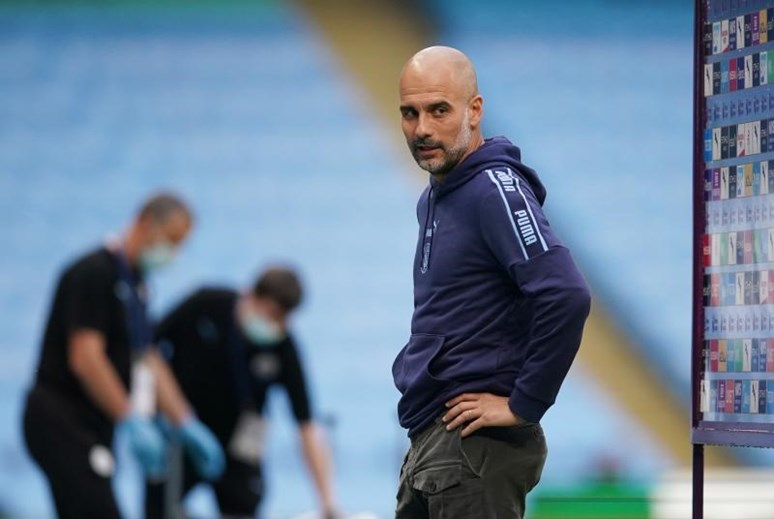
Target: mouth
pixel 426 151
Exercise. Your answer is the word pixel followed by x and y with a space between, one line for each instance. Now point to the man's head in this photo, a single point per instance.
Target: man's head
pixel 161 225
pixel 265 309
pixel 440 108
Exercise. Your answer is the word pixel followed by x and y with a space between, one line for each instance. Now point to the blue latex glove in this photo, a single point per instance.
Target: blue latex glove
pixel 146 443
pixel 203 448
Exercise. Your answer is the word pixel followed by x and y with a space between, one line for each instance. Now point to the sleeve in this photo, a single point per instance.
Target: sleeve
pixel 518 234
pixel 295 382
pixel 89 292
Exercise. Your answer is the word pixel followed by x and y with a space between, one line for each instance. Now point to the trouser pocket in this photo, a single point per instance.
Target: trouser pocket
pixel 436 479
pixel 450 493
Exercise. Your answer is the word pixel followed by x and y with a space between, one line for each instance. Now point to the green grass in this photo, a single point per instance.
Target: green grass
pixel 593 501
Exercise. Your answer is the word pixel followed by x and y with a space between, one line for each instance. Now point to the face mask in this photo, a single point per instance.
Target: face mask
pixel 261 331
pixel 157 256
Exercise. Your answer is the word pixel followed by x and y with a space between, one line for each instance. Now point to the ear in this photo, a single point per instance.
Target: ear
pixel 476 108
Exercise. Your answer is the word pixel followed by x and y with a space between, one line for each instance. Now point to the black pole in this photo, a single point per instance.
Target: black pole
pixel 697 358
pixel 698 481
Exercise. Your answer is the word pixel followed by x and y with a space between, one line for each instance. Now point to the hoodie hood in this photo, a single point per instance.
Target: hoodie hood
pixel 495 152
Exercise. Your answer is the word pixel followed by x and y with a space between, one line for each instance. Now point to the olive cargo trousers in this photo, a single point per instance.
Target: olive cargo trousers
pixel 484 476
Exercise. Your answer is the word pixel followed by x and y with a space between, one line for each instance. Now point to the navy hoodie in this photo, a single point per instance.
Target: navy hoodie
pixel 499 304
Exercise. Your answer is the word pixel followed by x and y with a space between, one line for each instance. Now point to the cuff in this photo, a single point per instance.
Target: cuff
pixel 526 407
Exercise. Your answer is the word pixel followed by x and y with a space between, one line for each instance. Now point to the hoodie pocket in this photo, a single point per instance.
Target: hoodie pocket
pixel 411 366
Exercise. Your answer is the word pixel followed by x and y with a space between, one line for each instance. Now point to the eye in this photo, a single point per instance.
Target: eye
pixel 408 113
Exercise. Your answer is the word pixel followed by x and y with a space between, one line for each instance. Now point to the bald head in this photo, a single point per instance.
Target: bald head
pixel 440 108
pixel 445 65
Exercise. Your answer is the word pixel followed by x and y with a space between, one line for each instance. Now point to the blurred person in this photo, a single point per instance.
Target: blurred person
pixel 499 307
pixel 227 350
pixel 98 370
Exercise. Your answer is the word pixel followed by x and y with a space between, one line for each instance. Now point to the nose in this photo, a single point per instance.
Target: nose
pixel 423 130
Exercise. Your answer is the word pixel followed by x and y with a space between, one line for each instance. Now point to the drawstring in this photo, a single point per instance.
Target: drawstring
pixel 427 241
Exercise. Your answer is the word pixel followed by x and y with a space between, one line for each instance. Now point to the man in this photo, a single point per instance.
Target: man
pixel 96 349
pixel 227 350
pixel 499 307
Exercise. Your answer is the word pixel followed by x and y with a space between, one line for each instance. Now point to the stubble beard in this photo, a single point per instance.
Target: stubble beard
pixel 443 165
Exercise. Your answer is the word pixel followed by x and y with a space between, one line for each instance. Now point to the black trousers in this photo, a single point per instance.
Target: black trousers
pixel 484 476
pixel 76 459
pixel 238 491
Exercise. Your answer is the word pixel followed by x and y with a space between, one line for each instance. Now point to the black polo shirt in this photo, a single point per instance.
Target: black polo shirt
pixel 220 371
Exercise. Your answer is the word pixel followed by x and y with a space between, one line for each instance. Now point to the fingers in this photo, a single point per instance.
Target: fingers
pixel 463 417
pixel 465 397
pixel 473 427
pixel 458 409
pixel 477 410
pixel 463 408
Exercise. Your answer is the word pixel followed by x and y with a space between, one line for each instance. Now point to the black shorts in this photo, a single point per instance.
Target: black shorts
pixel 238 491
pixel 76 458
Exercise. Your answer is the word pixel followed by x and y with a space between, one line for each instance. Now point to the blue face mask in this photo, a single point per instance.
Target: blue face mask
pixel 157 256
pixel 261 331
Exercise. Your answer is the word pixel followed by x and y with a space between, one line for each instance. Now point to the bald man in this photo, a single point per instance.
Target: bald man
pixel 499 307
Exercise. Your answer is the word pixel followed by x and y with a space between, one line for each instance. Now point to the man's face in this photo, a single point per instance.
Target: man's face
pixel 269 309
pixel 172 231
pixel 436 123
pixel 162 240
